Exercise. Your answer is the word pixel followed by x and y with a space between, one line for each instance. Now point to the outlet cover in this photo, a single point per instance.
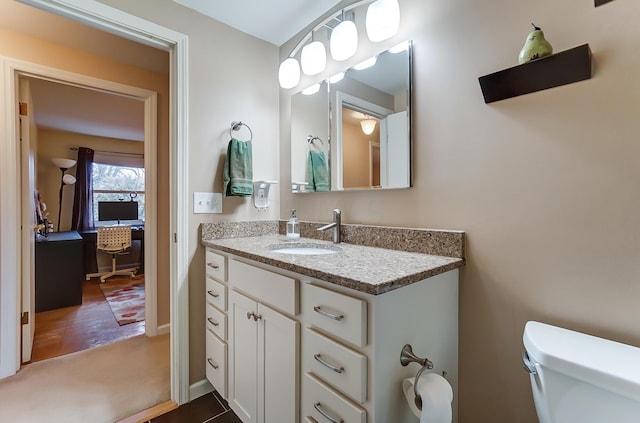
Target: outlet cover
pixel 207 202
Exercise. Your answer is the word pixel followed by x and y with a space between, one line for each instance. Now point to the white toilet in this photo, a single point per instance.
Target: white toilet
pixel 578 378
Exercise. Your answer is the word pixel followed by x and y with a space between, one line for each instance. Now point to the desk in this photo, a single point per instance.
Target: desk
pixel 59 270
pixel 90 238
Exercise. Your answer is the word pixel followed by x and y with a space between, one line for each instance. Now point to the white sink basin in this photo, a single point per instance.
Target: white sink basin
pixel 304 249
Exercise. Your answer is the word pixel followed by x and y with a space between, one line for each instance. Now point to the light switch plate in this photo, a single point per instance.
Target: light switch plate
pixel 207 202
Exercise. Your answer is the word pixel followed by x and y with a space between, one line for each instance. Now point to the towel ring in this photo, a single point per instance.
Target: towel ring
pixel 235 126
pixel 312 138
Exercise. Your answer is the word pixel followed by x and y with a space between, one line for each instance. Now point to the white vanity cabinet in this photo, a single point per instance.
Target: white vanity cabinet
pixel 263 345
pixel 216 320
pixel 309 351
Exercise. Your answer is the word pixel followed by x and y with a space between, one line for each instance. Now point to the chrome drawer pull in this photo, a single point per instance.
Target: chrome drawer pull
pixel 337 317
pixel 212 364
pixel 328 365
pixel 318 407
pixel 213 294
pixel 213 322
pixel 213 265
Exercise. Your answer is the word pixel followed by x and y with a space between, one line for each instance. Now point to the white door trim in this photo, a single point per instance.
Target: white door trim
pixel 115 21
pixel 16 68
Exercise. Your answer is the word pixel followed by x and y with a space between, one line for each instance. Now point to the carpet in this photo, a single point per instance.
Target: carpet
pixel 126 298
pixel 100 385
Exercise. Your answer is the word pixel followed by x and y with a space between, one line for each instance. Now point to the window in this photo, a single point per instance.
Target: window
pixel 118 183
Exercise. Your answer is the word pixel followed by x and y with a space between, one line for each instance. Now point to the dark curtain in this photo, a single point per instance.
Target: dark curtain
pixel 82 218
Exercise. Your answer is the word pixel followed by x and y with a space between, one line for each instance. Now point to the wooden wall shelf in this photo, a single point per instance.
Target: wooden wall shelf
pixel 558 69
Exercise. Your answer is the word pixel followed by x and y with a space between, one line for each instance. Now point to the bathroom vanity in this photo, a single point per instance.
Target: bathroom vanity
pixel 317 337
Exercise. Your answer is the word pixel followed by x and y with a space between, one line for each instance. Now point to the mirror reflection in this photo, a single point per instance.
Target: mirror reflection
pixel 369 111
pixel 310 140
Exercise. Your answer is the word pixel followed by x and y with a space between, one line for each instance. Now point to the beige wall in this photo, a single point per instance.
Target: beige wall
pixel 545 185
pixel 34 50
pixel 232 76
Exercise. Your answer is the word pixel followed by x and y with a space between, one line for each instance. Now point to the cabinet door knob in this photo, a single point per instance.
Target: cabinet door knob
pixel 213 265
pixel 337 317
pixel 251 314
pixel 326 415
pixel 213 294
pixel 213 322
pixel 212 364
pixel 328 365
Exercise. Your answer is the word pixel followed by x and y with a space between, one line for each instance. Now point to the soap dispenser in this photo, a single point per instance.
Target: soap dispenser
pixel 293 227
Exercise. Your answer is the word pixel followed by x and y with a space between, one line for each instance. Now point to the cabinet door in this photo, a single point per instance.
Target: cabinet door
pixel 243 357
pixel 278 338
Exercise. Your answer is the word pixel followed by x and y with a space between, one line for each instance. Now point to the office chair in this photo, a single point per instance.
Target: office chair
pixel 115 240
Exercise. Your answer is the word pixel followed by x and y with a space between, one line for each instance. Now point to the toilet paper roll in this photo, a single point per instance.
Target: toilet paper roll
pixel 436 394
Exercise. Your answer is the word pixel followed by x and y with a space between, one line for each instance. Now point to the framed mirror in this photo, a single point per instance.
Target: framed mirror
pixel 367 120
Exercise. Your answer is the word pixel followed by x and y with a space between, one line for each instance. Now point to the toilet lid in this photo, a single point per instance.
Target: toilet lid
pixel 608 364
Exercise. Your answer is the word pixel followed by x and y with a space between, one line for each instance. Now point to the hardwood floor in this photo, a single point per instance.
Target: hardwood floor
pixel 70 329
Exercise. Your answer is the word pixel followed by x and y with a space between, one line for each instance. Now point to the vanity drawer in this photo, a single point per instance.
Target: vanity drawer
pixel 320 403
pixel 216 354
pixel 216 321
pixel 336 313
pixel 216 265
pixel 216 294
pixel 270 288
pixel 343 368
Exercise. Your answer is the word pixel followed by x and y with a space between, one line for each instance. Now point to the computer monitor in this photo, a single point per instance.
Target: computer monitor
pixel 117 210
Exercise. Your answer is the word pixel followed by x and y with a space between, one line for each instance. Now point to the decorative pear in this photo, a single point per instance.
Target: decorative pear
pixel 535 47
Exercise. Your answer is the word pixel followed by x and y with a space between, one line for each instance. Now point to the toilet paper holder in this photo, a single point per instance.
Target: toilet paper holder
pixel 407 356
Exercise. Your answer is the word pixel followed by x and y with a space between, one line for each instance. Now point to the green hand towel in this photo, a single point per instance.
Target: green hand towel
pixel 317 171
pixel 238 169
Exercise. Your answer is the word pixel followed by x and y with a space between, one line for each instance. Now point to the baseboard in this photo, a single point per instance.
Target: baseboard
pixel 151 413
pixel 163 329
pixel 199 389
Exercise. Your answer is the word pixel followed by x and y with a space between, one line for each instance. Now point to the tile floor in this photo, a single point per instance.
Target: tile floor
pixel 89 325
pixel 209 408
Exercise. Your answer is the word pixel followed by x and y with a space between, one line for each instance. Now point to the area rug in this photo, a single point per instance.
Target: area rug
pixel 126 298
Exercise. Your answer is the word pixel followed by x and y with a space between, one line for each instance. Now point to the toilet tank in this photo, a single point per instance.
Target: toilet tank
pixel 580 378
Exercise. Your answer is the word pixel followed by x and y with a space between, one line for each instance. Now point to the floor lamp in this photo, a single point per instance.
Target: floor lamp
pixel 64 165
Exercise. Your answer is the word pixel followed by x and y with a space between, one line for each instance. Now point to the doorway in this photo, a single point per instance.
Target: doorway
pixel 73 314
pixel 134 28
pixel 80 323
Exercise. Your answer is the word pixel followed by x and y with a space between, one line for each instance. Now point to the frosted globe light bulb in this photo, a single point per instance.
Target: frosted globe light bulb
pixel 289 73
pixel 312 89
pixel 366 64
pixel 336 78
pixel 344 41
pixel 313 58
pixel 69 179
pixel 383 20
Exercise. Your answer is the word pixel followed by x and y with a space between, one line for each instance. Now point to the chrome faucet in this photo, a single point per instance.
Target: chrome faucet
pixel 336 225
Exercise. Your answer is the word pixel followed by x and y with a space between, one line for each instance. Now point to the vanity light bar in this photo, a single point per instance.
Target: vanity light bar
pixel 289 71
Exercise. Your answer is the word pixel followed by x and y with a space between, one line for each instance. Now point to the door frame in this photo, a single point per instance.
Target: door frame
pixel 117 22
pixel 18 70
pixel 349 101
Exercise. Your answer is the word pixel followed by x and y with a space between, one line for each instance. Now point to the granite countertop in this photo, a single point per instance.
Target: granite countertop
pixel 371 270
